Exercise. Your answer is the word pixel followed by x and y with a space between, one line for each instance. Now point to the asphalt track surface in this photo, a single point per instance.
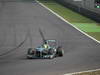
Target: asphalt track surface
pixel 19 30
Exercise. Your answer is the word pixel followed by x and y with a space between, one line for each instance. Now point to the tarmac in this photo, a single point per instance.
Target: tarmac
pixel 19 30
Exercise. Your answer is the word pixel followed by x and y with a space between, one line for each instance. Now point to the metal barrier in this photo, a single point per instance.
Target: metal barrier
pixel 88 13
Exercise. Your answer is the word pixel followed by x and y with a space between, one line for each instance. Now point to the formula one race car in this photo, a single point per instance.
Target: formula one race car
pixel 40 52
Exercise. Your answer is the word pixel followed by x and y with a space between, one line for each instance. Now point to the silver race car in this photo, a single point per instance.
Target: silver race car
pixel 52 51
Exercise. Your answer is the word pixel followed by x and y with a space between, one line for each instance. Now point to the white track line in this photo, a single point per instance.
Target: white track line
pixel 82 72
pixel 67 22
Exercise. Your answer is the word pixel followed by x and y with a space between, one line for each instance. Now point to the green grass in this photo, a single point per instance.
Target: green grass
pixel 87 25
pixel 89 73
pixel 95 35
pixel 24 0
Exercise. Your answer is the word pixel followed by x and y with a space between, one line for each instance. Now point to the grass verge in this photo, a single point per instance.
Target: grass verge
pixel 85 24
pixel 89 73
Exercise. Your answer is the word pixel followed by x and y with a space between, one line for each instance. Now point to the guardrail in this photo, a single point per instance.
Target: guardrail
pixel 88 13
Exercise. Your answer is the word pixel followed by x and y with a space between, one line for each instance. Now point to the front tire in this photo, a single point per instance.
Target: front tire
pixel 51 57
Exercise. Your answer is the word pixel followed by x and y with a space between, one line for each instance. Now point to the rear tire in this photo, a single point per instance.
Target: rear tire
pixel 60 51
pixel 29 51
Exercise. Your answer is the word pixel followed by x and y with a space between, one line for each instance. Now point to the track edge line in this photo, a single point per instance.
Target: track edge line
pixel 82 72
pixel 67 22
